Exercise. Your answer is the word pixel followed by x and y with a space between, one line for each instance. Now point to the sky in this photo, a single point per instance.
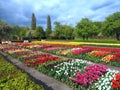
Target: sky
pixel 19 12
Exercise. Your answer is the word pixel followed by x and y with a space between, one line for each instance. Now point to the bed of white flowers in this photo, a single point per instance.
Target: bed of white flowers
pixel 70 67
pixel 65 70
pixel 104 82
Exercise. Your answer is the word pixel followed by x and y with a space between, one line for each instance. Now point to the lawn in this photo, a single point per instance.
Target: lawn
pixel 107 40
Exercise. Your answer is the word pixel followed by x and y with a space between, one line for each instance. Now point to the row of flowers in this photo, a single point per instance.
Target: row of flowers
pixel 41 59
pixel 103 54
pixel 110 49
pixel 73 43
pixel 105 81
pixel 43 46
pixel 30 57
pixel 88 76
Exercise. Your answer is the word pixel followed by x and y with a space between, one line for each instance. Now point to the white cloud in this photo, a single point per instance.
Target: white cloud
pixel 64 11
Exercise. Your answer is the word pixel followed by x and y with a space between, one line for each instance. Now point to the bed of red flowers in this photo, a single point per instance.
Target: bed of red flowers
pixel 41 59
pixel 116 81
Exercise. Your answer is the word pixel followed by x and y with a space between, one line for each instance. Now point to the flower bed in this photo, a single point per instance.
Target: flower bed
pixel 103 55
pixel 95 54
pixel 102 48
pixel 29 57
pixel 88 77
pixel 99 53
pixel 116 81
pixel 105 81
pixel 78 73
pixel 113 57
pixel 40 59
pixel 13 79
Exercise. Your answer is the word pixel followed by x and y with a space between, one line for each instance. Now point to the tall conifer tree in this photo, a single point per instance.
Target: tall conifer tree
pixel 33 22
pixel 48 30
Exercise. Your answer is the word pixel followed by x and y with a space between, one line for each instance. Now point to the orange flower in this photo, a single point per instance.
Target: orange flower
pixel 99 53
pixel 108 58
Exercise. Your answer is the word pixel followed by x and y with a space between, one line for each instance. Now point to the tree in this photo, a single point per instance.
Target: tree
pixel 5 30
pixel 29 36
pixel 23 32
pixel 85 29
pixel 48 29
pixel 39 32
pixel 16 32
pixel 99 26
pixel 112 25
pixel 63 31
pixel 19 32
pixel 33 22
pixel 58 30
pixel 67 31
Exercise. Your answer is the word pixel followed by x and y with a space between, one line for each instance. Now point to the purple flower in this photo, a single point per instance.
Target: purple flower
pixel 90 74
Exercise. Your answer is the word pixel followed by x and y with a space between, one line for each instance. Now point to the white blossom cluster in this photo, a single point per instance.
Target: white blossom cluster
pixel 104 82
pixel 84 61
pixel 69 67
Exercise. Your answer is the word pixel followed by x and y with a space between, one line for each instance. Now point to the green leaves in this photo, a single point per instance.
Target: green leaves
pixel 63 31
pixel 4 30
pixel 67 31
pixel 49 29
pixel 85 29
pixel 13 79
pixel 112 25
pixel 33 22
pixel 39 32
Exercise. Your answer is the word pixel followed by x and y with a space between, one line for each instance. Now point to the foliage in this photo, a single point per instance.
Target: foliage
pixel 13 79
pixel 5 30
pixel 39 32
pixel 99 26
pixel 15 32
pixel 111 25
pixel 58 30
pixel 48 30
pixel 67 31
pixel 12 32
pixel 107 40
pixel 33 22
pixel 23 32
pixel 63 31
pixel 85 29
pixel 18 32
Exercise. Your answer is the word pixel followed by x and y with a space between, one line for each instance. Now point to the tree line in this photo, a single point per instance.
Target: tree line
pixel 84 29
